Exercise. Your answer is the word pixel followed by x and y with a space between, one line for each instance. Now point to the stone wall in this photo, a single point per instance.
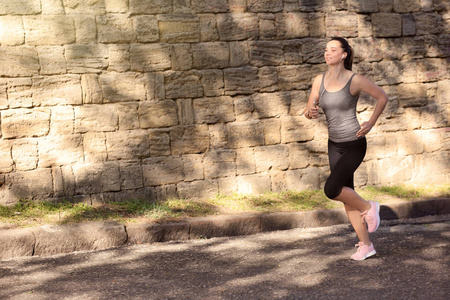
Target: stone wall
pixel 110 100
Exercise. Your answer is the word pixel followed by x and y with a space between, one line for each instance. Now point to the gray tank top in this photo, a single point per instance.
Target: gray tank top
pixel 340 109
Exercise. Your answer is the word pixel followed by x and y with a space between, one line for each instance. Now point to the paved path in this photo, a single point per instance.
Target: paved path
pixel 412 263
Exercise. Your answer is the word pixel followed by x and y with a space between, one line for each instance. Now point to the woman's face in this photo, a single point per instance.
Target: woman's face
pixel 333 52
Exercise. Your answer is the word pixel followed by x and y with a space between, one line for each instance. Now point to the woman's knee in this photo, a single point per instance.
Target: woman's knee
pixel 332 191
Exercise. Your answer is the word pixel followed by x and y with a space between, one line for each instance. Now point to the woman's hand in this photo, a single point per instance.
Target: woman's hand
pixel 313 112
pixel 365 128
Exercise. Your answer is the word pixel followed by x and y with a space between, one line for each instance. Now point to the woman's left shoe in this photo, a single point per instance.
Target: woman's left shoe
pixel 372 216
pixel 363 251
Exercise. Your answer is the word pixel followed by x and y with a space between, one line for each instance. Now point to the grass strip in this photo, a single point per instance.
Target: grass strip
pixel 26 213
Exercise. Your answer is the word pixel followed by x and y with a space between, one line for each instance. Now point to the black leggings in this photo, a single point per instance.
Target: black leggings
pixel 344 159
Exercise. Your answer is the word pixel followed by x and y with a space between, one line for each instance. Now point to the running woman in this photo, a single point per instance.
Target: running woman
pixel 337 92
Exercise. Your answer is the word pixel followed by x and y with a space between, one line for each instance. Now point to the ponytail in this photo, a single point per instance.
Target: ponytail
pixel 348 62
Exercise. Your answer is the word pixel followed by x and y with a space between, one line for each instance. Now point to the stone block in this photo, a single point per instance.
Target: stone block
pixel 409 143
pixel 128 116
pixel 428 23
pixel 213 82
pixel 243 108
pixel 21 7
pixel 60 150
pixel 131 175
pixel 63 182
pixel 443 92
pixel 268 79
pixel 86 58
pixel 317 26
pixel 121 87
pixel 119 58
pixel 57 90
pixel 387 72
pixel 220 226
pixel 34 184
pixel 157 114
pixel 274 157
pixel 20 123
pixel 132 144
pixel 296 129
pixel 4 93
pixel 144 233
pixel 114 28
pixel 92 91
pixel 299 99
pixel 364 6
pixel 162 170
pixel 294 77
pixel 412 95
pixel 159 142
pixel 245 134
pixel 272 131
pixel 241 80
pixel 141 7
pixel 185 111
pixel 20 92
pixel 94 147
pixel 19 61
pixel 49 30
pixel 213 110
pixel 183 84
pixel 205 189
pixel 220 163
pixel 52 60
pixel 177 231
pixel 239 54
pixel 193 167
pixel 267 26
pixel 116 6
pixel 343 24
pixel 62 120
pixel 208 28
pixel 408 25
pixel 263 6
pixel 237 26
pixel 432 69
pixel 16 243
pixel 266 53
pixel 189 139
pixel 254 184
pixel 13 32
pixel 271 105
pixel 292 25
pixel 218 135
pixel 298 156
pixel 407 6
pixel 179 28
pixel 24 153
pixel 94 178
pixel 181 56
pixel 245 161
pixel 387 24
pixel 83 29
pixel 55 239
pixel 211 55
pixel 396 170
pixel 303 179
pixel 6 161
pixel 150 57
pixel 95 118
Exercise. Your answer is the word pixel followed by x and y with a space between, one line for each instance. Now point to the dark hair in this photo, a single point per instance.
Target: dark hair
pixel 348 62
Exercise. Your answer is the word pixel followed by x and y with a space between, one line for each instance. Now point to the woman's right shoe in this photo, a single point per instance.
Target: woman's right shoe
pixel 372 216
pixel 363 251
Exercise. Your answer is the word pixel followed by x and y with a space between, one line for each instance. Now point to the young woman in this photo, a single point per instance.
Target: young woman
pixel 337 92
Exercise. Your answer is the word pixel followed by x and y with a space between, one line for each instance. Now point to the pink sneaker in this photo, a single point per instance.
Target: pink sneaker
pixel 363 251
pixel 372 216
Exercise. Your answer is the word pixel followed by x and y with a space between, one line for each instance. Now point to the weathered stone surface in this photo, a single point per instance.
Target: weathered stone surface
pixel 237 26
pixel 211 55
pixel 272 131
pixel 243 108
pixel 52 60
pixel 54 239
pixel 92 91
pixel 133 144
pixel 6 162
pixel 57 90
pixel 119 58
pixel 302 179
pixel 181 56
pixel 33 184
pixel 115 28
pixel 128 115
pixel 220 163
pixel 271 105
pixel 387 24
pixel 123 87
pixel 208 227
pixel 342 24
pixel 213 110
pixel 62 120
pixel 95 118
pixel 179 28
pixel 18 123
pixel 150 57
pixel 19 61
pixel 162 170
pixel 296 129
pixel 20 92
pixel 60 150
pixel 213 82
pixel 25 154
pixel 193 167
pixel 268 79
pixel 412 95
pixel 271 158
pixel 245 134
pixel 298 156
pixel 20 7
pixel 183 85
pixel 94 146
pixel 241 80
pixel 293 77
pixel 239 54
pixel 92 178
pixel 218 135
pixel 84 58
pixel 16 243
pixel 189 139
pixel 48 30
pixel 266 53
pixel 292 25
pixel 149 7
pixel 131 175
pixel 157 114
pixel 407 6
pixel 198 189
pixel 144 233
pixel 13 32
pixel 245 161
pixel 208 28
pixel 364 6
pixel 83 29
